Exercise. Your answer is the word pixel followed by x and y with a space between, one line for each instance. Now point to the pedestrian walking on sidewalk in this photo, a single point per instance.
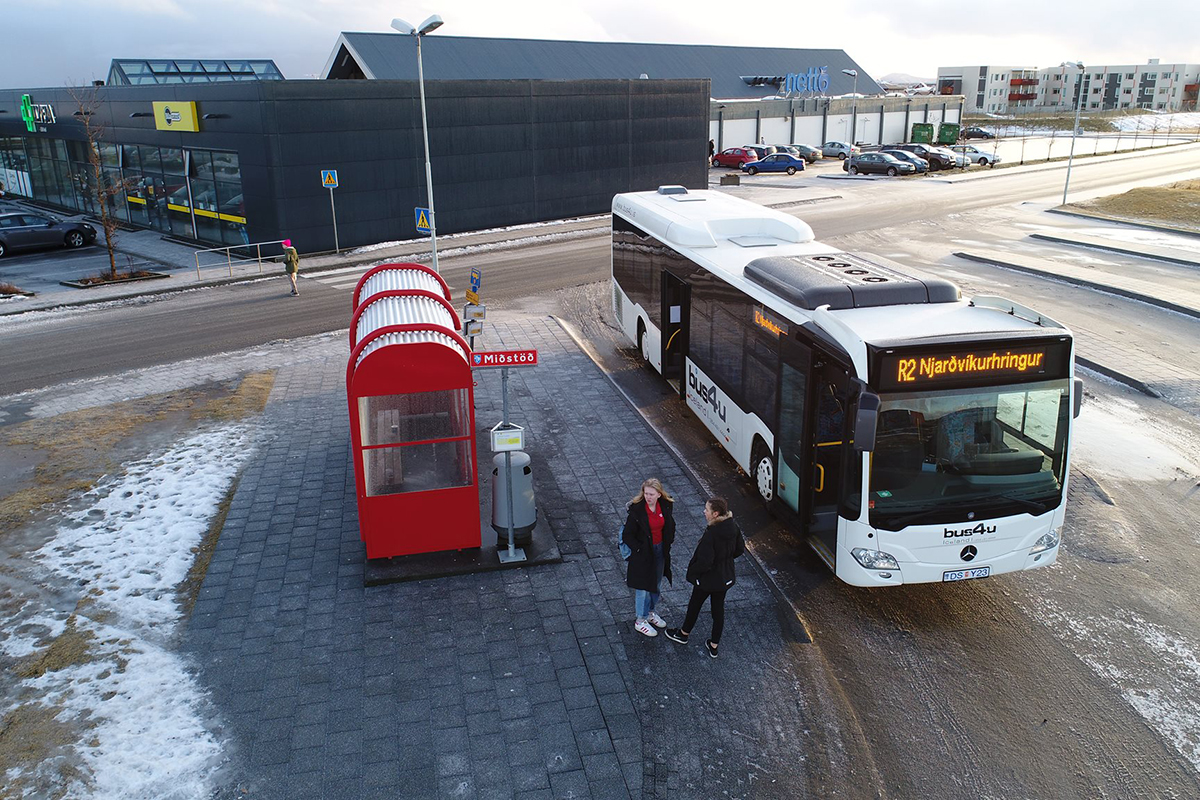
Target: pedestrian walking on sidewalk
pixel 711 573
pixel 291 264
pixel 649 531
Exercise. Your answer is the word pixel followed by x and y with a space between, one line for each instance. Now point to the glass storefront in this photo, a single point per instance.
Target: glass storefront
pixel 196 194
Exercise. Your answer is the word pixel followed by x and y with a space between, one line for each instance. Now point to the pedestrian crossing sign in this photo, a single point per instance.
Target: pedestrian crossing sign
pixel 329 178
pixel 422 215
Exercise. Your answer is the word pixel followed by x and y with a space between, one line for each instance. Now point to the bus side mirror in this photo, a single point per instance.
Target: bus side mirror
pixel 866 421
pixel 1078 398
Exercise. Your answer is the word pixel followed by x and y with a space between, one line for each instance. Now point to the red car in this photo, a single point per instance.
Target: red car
pixel 734 157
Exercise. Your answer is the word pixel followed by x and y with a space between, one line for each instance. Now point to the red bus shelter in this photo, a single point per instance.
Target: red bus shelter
pixel 412 415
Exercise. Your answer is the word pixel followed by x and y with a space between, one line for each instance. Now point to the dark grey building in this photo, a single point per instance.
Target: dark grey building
pixel 736 73
pixel 241 161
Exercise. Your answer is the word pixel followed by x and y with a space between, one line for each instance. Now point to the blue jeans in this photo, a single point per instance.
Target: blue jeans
pixel 645 602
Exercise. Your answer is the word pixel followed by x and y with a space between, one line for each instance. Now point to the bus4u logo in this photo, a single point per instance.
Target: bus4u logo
pixel 981 529
pixel 707 394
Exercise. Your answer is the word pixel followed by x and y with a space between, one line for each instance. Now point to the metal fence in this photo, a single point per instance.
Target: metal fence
pixel 246 254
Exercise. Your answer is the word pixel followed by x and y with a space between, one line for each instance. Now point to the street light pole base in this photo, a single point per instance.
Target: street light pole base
pixel 512 556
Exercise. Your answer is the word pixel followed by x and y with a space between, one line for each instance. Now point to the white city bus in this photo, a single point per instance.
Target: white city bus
pixel 907 434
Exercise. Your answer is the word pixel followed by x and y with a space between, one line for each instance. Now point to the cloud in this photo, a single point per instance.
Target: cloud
pixel 882 35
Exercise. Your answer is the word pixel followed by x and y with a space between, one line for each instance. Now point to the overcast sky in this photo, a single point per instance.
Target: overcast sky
pixel 46 43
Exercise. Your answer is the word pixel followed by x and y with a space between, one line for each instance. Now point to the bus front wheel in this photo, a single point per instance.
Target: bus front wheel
pixel 641 340
pixel 763 471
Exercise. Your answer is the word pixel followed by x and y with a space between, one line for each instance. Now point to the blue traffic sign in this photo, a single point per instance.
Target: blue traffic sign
pixel 329 178
pixel 423 216
pixel 476 279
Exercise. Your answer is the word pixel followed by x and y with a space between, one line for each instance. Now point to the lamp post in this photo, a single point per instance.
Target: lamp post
pixel 853 107
pixel 1075 130
pixel 428 26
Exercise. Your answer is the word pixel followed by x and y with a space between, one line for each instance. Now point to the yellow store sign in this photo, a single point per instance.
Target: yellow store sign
pixel 176 116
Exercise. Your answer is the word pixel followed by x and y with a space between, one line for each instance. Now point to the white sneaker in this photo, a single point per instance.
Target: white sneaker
pixel 645 628
pixel 656 620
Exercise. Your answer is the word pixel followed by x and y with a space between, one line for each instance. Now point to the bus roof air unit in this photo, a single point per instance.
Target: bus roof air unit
pixel 842 280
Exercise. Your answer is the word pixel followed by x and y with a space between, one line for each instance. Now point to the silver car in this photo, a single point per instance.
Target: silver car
pixel 977 156
pixel 840 150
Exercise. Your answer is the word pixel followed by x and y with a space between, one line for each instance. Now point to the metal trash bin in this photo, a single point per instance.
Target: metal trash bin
pixel 525 516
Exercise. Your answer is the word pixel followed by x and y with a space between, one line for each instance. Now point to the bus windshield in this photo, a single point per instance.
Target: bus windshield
pixel 987 452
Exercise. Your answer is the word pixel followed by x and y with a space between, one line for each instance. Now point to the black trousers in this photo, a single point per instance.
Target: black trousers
pixel 717 606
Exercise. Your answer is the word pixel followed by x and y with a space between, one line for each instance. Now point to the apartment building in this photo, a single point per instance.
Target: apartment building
pixel 1106 87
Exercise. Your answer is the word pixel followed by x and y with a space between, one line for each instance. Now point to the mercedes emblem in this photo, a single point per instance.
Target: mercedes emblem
pixel 968 553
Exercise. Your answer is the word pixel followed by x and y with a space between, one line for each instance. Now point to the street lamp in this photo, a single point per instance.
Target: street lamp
pixel 428 26
pixel 853 107
pixel 1075 130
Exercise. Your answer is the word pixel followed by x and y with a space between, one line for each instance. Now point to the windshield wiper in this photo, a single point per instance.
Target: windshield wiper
pixel 1030 505
pixel 913 516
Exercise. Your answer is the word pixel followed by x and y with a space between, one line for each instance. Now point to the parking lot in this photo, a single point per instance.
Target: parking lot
pixel 1011 151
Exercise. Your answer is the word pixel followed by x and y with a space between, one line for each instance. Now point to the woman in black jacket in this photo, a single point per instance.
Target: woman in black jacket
pixel 710 572
pixel 649 531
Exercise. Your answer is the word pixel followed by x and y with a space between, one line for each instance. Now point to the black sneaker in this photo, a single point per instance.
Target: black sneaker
pixel 708 645
pixel 676 635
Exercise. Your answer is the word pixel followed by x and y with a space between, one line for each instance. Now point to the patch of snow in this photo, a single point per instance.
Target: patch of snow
pixel 1158 123
pixel 144 714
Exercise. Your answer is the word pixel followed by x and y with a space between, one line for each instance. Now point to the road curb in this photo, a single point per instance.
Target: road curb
pixel 798 625
pixel 1121 221
pixel 1125 251
pixel 1120 377
pixel 1103 287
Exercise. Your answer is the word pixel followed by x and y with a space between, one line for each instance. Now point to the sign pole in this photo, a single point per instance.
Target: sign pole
pixel 333 211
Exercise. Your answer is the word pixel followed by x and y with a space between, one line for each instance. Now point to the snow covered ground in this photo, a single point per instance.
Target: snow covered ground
pixel 142 726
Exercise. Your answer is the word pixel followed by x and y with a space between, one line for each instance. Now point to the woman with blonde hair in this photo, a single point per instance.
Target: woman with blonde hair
pixel 649 531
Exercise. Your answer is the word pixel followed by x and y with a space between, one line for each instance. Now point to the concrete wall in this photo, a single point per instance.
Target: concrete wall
pixel 881 120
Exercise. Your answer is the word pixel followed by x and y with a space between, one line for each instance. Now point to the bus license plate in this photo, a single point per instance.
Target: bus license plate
pixel 966 574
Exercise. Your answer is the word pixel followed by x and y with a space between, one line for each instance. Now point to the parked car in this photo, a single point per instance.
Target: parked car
pixel 977 156
pixel 936 156
pixel 877 164
pixel 975 132
pixel 840 150
pixel 776 162
pixel 912 158
pixel 734 157
pixel 760 150
pixel 29 231
pixel 960 160
pixel 808 152
pixel 787 148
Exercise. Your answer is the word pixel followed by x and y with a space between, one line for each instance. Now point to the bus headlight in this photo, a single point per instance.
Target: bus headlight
pixel 1047 542
pixel 874 559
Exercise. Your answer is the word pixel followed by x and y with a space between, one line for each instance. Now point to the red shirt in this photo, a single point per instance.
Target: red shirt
pixel 656 523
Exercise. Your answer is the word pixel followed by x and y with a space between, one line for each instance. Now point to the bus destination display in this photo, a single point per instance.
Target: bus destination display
pixel 972 367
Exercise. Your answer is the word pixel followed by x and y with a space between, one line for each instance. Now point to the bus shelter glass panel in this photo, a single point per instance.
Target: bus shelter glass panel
pixel 416 442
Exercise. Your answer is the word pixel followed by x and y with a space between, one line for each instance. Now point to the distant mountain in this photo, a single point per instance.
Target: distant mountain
pixel 903 79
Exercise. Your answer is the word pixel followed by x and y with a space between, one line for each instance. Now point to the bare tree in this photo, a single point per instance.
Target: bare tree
pixel 98 185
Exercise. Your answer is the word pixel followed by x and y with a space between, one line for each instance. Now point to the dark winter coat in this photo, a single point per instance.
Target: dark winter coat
pixel 711 567
pixel 640 572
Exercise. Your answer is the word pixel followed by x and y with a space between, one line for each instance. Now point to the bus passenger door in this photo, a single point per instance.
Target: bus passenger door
pixel 675 294
pixel 829 402
pixel 792 468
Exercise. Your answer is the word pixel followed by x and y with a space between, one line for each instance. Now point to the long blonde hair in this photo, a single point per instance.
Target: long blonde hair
pixel 654 483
